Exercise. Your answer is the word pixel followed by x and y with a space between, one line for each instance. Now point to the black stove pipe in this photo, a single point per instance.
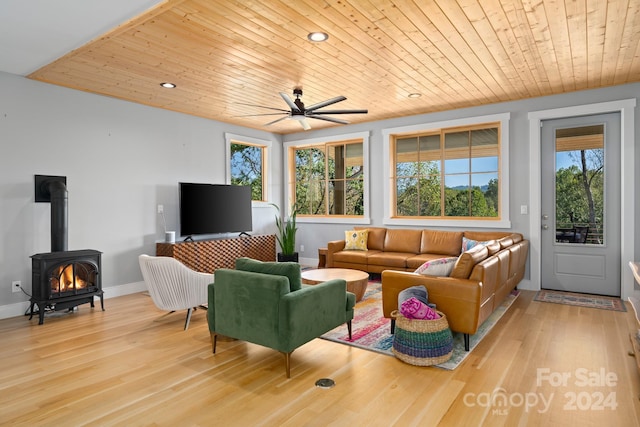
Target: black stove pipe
pixel 59 215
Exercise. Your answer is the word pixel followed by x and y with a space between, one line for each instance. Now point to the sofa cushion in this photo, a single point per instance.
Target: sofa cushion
pixel 493 246
pixel 352 257
pixel 375 240
pixel 389 259
pixel 467 260
pixel 437 267
pixel 402 240
pixel 505 242
pixel 289 269
pixel 356 240
pixel 441 242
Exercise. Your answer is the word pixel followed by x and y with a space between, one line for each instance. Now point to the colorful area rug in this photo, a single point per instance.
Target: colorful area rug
pixel 581 300
pixel 372 331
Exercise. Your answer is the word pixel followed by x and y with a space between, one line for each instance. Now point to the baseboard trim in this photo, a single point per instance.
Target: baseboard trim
pixel 20 308
pixel 311 262
pixel 526 285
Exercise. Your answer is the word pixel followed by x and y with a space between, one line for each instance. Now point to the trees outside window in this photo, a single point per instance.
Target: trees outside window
pixel 329 179
pixel 447 173
pixel 580 179
pixel 247 165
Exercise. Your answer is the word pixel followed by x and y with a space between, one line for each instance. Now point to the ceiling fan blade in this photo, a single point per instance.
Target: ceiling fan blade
pixel 305 124
pixel 289 102
pixel 342 112
pixel 265 114
pixel 277 120
pixel 262 106
pixel 329 119
pixel 325 103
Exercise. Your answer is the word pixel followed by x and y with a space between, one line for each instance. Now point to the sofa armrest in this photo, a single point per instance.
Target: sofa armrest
pixel 313 310
pixel 332 248
pixel 459 299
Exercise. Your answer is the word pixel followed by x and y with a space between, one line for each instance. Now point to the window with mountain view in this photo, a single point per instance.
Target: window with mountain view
pixel 445 173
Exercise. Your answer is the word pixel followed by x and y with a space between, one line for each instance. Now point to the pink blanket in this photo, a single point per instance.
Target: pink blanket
pixel 416 309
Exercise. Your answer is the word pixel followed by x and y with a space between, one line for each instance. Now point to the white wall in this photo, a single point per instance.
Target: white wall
pixel 121 160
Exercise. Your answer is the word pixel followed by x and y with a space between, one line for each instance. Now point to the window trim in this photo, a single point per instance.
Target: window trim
pixel 266 177
pixel 288 197
pixel 388 134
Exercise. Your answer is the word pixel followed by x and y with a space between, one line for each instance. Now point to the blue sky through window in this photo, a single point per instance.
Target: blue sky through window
pixel 484 169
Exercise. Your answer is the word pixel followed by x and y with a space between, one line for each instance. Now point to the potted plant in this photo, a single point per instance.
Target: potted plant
pixel 287 236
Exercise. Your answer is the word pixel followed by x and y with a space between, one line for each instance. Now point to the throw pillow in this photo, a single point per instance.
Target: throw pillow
pixel 437 267
pixel 355 240
pixel 470 243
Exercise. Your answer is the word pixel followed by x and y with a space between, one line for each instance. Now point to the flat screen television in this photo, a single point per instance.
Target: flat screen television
pixel 214 209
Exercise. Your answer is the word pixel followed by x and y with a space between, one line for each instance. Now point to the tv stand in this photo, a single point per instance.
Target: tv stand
pixel 208 255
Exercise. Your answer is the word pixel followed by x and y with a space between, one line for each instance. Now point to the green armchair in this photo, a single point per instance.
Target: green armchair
pixel 265 303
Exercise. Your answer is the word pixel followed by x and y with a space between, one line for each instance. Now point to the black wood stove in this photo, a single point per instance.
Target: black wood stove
pixel 62 279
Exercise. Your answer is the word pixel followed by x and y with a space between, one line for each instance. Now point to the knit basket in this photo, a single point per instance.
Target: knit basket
pixel 422 342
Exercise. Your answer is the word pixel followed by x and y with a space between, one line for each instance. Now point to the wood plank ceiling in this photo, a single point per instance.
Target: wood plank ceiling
pixel 225 54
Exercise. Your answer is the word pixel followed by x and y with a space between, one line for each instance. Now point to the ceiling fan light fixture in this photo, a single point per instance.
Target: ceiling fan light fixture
pixel 318 36
pixel 168 85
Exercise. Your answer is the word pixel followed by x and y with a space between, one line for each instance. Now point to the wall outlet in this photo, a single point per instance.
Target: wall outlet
pixel 16 285
pixel 160 209
pixel 301 248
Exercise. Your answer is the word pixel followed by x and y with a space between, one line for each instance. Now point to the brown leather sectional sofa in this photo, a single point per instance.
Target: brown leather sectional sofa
pixel 481 279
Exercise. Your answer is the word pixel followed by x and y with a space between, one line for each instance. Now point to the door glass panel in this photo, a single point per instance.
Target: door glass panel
pixel 580 185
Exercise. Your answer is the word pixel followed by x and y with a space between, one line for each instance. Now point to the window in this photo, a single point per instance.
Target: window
pixel 327 179
pixel 247 165
pixel 449 174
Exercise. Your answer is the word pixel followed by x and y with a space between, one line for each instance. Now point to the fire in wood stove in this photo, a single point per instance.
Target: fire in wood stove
pixel 64 280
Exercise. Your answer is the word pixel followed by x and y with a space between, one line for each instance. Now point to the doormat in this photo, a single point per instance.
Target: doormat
pixel 581 300
pixel 372 331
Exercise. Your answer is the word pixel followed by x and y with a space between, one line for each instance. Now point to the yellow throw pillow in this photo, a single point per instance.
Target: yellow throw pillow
pixel 356 240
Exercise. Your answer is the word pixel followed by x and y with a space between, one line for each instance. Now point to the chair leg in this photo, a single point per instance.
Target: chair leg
pixel 349 328
pixel 466 342
pixel 186 322
pixel 393 326
pixel 214 341
pixel 287 363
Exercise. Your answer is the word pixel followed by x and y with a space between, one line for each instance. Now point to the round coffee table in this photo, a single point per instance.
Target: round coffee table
pixel 357 280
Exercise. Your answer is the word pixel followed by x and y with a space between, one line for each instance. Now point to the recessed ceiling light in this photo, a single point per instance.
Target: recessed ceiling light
pixel 317 36
pixel 168 85
pixel 414 95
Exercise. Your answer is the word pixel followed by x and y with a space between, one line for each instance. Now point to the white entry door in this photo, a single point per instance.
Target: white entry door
pixel 580 237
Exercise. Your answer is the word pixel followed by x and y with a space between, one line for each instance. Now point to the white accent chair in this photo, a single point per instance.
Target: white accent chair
pixel 174 286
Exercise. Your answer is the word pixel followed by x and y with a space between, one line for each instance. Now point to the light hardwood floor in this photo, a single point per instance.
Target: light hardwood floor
pixel 131 365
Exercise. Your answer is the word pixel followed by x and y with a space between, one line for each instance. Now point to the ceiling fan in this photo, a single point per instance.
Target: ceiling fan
pixel 301 114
